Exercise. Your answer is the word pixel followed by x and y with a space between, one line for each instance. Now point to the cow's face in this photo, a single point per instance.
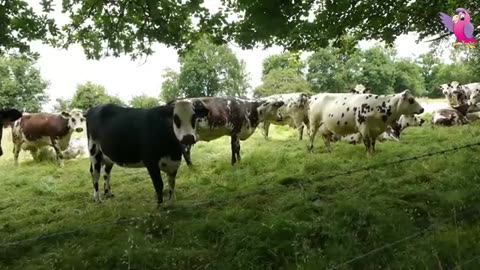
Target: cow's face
pixel 185 116
pixel 6 119
pixel 474 98
pixel 75 120
pixel 411 121
pixel 269 110
pixel 408 105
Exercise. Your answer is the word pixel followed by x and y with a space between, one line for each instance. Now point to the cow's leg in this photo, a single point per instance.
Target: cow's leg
pixel 107 169
pixel 58 152
pixel 235 143
pixel 186 155
pixel 171 186
pixel 16 152
pixel 266 127
pixel 300 131
pixel 314 125
pixel 154 172
pixel 96 157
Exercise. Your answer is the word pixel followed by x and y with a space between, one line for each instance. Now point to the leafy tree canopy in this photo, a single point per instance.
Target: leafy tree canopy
pixel 89 95
pixel 283 61
pixel 21 84
pixel 281 81
pixel 143 101
pixel 132 26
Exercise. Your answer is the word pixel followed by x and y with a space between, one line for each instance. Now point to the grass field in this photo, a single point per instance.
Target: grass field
pixel 300 221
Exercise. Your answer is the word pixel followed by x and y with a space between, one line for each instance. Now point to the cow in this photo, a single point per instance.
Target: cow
pixel 7 117
pixel 452 93
pixel 293 112
pixel 351 113
pixel 227 116
pixel 392 132
pixel 35 130
pixel 77 148
pixel 133 137
pixel 474 91
pixel 359 89
pixel 456 115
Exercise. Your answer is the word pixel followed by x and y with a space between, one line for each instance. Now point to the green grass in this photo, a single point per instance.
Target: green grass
pixel 300 222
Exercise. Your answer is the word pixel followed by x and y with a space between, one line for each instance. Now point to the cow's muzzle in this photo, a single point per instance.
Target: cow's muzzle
pixel 421 111
pixel 188 140
pixel 79 129
pixel 422 121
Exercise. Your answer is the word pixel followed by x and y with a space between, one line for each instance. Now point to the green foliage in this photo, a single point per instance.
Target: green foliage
pixel 408 75
pixel 211 70
pixel 281 81
pixel 21 84
pixel 143 101
pixel 304 221
pixel 377 70
pixel 283 61
pixel 62 105
pixel 170 88
pixel 89 95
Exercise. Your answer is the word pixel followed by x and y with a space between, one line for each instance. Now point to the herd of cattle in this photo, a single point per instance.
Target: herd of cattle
pixel 158 137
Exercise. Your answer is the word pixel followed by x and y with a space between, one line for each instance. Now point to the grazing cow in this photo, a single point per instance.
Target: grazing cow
pixel 392 133
pixel 7 117
pixel 351 113
pixel 229 116
pixel 456 115
pixel 133 137
pixel 294 112
pixel 36 130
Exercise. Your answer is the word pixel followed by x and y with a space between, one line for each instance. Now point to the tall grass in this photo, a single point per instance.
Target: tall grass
pixel 303 223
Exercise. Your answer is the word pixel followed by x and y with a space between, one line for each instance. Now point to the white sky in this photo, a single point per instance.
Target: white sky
pixel 65 69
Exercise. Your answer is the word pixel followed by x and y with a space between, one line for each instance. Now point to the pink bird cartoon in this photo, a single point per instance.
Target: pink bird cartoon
pixel 461 26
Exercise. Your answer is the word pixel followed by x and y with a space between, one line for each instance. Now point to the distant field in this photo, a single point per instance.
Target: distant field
pixel 293 218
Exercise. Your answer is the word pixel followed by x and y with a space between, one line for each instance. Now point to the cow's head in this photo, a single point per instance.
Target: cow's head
pixel 474 98
pixel 268 110
pixel 75 120
pixel 410 121
pixel 360 89
pixel 408 105
pixel 6 118
pixel 185 115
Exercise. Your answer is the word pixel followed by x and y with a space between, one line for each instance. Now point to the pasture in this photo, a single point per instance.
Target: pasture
pixel 291 216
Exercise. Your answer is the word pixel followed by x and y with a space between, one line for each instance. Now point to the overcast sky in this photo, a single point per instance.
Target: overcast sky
pixel 65 69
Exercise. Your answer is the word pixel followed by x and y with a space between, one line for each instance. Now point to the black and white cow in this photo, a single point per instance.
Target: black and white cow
pixel 294 112
pixel 133 137
pixel 229 116
pixel 368 114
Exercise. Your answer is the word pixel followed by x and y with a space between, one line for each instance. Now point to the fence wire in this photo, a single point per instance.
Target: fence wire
pixel 264 191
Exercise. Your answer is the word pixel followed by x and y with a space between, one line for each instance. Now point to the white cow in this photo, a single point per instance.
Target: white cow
pixel 351 113
pixel 294 112
pixel 473 92
pixel 450 91
pixel 77 148
pixel 392 133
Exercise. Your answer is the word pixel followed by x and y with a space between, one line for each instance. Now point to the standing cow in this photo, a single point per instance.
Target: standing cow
pixel 7 117
pixel 36 130
pixel 229 116
pixel 351 113
pixel 294 112
pixel 133 137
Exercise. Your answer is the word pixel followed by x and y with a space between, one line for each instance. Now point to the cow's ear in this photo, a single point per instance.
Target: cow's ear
pixel 200 109
pixel 65 114
pixel 278 104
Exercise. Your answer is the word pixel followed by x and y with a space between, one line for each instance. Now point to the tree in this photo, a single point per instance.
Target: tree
pixel 143 101
pixel 284 61
pixel 211 70
pixel 408 75
pixel 61 105
pixel 89 95
pixel 281 81
pixel 430 66
pixel 461 72
pixel 377 70
pixel 170 88
pixel 21 84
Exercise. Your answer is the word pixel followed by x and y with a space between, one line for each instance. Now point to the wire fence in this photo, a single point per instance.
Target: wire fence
pixel 265 191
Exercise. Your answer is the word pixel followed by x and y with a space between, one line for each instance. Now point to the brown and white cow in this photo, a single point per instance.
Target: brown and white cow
pixel 36 130
pixel 7 117
pixel 226 116
pixel 455 115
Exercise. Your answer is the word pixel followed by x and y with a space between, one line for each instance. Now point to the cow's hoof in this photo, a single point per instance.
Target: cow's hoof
pixel 96 198
pixel 109 195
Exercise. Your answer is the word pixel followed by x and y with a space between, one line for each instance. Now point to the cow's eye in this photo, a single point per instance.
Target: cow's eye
pixel 73 120
pixel 194 119
pixel 176 120
pixel 411 100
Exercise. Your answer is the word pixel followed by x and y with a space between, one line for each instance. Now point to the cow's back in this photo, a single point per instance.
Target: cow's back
pixel 38 125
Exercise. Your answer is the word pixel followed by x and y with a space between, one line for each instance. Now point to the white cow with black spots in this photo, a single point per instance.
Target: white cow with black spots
pixel 294 112
pixel 450 91
pixel 368 114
